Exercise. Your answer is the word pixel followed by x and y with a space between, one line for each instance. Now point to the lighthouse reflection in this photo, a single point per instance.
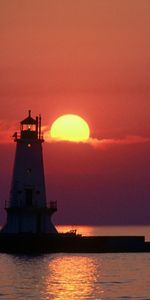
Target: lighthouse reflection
pixel 72 277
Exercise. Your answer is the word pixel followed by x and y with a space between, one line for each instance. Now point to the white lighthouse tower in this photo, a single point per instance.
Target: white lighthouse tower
pixel 27 210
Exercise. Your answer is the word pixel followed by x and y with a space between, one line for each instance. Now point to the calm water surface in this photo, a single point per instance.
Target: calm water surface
pixel 75 276
pixel 64 276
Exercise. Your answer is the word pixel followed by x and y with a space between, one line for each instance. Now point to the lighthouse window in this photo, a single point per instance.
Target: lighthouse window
pixel 29 197
pixel 29 145
pixel 28 171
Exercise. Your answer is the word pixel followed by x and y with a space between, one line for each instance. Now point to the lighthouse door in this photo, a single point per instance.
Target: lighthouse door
pixel 29 197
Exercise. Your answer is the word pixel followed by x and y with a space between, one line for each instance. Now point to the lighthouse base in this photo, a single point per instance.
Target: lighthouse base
pixel 27 220
pixel 71 243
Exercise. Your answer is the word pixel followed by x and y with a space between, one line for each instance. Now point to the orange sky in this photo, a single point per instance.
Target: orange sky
pixel 86 57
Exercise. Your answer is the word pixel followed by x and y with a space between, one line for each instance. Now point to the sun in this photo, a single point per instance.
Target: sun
pixel 70 127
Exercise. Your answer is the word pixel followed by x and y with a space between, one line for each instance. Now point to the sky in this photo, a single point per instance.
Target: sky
pixel 86 57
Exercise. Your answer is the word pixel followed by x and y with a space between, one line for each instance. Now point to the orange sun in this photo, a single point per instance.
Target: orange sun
pixel 70 128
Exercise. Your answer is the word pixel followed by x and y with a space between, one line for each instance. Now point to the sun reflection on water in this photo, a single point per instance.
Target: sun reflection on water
pixel 71 277
pixel 75 276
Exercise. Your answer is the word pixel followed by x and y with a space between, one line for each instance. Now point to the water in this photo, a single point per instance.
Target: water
pixel 68 276
pixel 75 276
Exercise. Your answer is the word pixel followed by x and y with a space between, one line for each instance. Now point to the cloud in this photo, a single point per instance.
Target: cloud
pixel 105 143
pixel 6 131
pixel 128 140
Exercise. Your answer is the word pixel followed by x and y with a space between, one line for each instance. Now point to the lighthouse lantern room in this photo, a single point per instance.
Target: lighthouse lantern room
pixel 27 209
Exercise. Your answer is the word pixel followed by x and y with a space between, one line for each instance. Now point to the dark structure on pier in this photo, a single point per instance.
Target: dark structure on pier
pixel 29 228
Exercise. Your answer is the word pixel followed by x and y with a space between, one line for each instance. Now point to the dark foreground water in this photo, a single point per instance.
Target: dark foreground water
pixel 64 276
pixel 75 276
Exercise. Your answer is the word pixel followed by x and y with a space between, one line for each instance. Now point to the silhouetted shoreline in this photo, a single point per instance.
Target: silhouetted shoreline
pixel 71 243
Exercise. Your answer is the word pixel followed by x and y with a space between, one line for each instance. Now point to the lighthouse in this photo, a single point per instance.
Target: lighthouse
pixel 27 208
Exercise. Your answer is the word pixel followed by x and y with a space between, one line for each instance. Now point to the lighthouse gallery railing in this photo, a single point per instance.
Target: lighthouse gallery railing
pixel 51 205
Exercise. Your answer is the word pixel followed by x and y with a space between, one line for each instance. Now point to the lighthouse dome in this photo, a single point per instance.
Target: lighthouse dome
pixel 28 120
